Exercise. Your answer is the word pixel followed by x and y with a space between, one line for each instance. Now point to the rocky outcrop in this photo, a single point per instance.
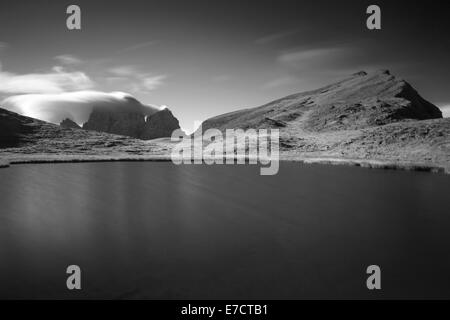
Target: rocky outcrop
pixel 160 124
pixel 69 124
pixel 133 124
pixel 117 122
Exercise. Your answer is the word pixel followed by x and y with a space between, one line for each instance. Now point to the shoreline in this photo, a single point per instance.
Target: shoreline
pixel 378 164
pixel 363 163
pixel 4 164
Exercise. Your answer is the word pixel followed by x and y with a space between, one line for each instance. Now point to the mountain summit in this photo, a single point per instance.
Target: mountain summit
pixel 363 100
pixel 367 116
pixel 133 124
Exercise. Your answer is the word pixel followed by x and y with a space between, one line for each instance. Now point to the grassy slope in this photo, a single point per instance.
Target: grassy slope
pixel 367 118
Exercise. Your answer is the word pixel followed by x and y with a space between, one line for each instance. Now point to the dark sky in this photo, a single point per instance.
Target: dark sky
pixel 204 58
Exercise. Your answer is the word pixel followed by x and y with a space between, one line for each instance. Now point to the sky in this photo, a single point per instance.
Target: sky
pixel 205 58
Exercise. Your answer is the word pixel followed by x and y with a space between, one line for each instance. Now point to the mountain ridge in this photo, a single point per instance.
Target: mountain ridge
pixel 25 139
pixel 133 124
pixel 367 116
pixel 365 89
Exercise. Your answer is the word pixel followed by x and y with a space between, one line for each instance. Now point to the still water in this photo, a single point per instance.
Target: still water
pixel 160 231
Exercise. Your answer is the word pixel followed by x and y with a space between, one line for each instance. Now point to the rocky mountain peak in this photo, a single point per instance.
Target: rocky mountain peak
pixel 69 124
pixel 360 73
pixel 133 124
pixel 160 124
pixel 363 100
pixel 115 121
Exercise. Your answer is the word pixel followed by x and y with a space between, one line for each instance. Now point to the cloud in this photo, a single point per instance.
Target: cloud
pixel 445 110
pixel 319 65
pixel 134 80
pixel 282 82
pixel 68 59
pixel 300 59
pixel 123 71
pixel 76 106
pixel 153 82
pixel 276 36
pixel 56 81
pixel 310 67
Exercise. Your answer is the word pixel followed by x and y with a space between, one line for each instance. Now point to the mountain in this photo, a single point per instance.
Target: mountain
pixel 120 122
pixel 25 139
pixel 13 128
pixel 374 116
pixel 360 101
pixel 160 124
pixel 133 124
pixel 68 123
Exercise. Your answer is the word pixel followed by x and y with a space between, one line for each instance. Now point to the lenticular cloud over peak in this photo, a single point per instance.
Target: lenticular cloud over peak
pixel 76 106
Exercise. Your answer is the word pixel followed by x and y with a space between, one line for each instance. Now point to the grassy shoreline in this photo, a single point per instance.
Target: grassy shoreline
pixel 377 164
pixel 4 164
pixel 364 163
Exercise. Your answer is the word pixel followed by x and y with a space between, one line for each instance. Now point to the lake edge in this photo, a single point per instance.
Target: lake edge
pixel 364 163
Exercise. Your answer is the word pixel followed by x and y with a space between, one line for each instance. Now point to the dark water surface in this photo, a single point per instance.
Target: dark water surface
pixel 156 230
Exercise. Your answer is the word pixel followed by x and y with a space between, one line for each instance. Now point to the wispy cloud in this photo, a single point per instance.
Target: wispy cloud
pixel 276 36
pixel 58 80
pixel 306 68
pixel 153 82
pixel 304 58
pixel 124 71
pixel 445 108
pixel 73 105
pixel 68 59
pixel 282 82
pixel 136 81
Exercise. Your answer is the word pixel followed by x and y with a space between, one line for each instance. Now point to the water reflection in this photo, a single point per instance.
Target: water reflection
pixel 155 230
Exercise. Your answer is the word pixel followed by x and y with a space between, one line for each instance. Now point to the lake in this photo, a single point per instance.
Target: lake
pixel 160 231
